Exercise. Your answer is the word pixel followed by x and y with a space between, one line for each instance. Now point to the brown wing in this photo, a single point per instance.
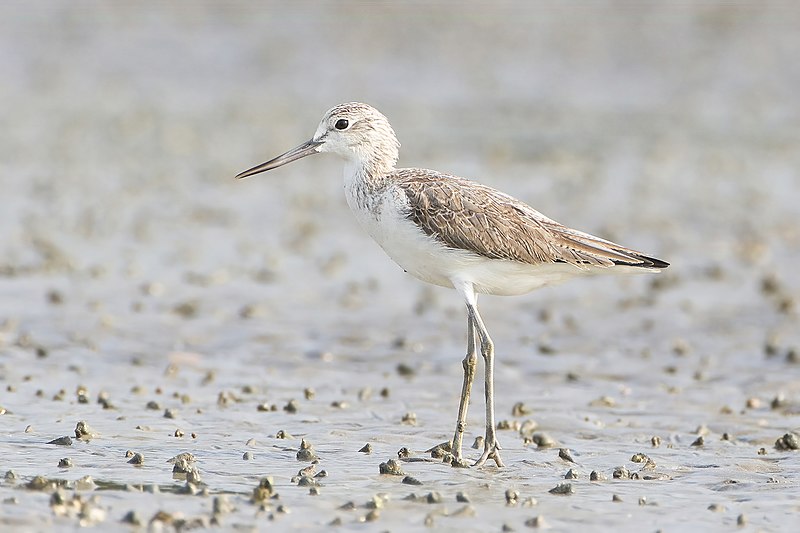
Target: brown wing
pixel 470 216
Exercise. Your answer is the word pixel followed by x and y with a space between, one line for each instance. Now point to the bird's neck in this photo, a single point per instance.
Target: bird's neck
pixel 371 174
pixel 364 187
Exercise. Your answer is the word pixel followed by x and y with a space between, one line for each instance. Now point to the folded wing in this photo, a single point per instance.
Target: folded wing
pixel 469 216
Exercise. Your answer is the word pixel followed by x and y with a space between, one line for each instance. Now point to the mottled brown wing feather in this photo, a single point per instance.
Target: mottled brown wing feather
pixel 469 216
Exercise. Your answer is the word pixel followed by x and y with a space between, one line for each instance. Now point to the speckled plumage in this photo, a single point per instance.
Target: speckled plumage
pixel 467 215
pixel 456 233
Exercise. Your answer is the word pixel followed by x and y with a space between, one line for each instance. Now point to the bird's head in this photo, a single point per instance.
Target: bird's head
pixel 355 131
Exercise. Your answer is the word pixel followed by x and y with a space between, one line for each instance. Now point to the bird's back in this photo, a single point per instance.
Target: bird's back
pixel 466 215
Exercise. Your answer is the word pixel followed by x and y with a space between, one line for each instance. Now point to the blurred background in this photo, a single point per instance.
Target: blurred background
pixel 671 128
pixel 126 246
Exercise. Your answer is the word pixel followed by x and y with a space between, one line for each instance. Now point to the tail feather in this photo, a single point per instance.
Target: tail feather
pixel 644 262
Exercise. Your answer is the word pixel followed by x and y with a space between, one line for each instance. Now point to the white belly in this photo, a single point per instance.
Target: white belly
pixel 429 260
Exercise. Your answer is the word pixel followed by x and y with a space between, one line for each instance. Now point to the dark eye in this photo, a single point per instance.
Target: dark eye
pixel 341 124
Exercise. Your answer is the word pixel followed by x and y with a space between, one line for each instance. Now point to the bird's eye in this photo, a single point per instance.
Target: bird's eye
pixel 341 124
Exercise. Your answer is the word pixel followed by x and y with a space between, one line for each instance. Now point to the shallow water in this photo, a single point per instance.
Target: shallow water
pixel 131 262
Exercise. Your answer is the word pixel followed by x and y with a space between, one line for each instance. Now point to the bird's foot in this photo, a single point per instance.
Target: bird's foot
pixel 459 462
pixel 491 450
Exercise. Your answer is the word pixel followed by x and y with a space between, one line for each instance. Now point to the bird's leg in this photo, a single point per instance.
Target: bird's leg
pixel 469 363
pixel 491 448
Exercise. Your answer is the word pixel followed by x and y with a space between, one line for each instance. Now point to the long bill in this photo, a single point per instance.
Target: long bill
pixel 307 148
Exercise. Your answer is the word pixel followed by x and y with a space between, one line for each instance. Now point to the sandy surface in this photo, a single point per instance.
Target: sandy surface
pixel 133 268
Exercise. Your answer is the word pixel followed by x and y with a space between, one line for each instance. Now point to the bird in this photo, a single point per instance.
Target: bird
pixel 455 233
